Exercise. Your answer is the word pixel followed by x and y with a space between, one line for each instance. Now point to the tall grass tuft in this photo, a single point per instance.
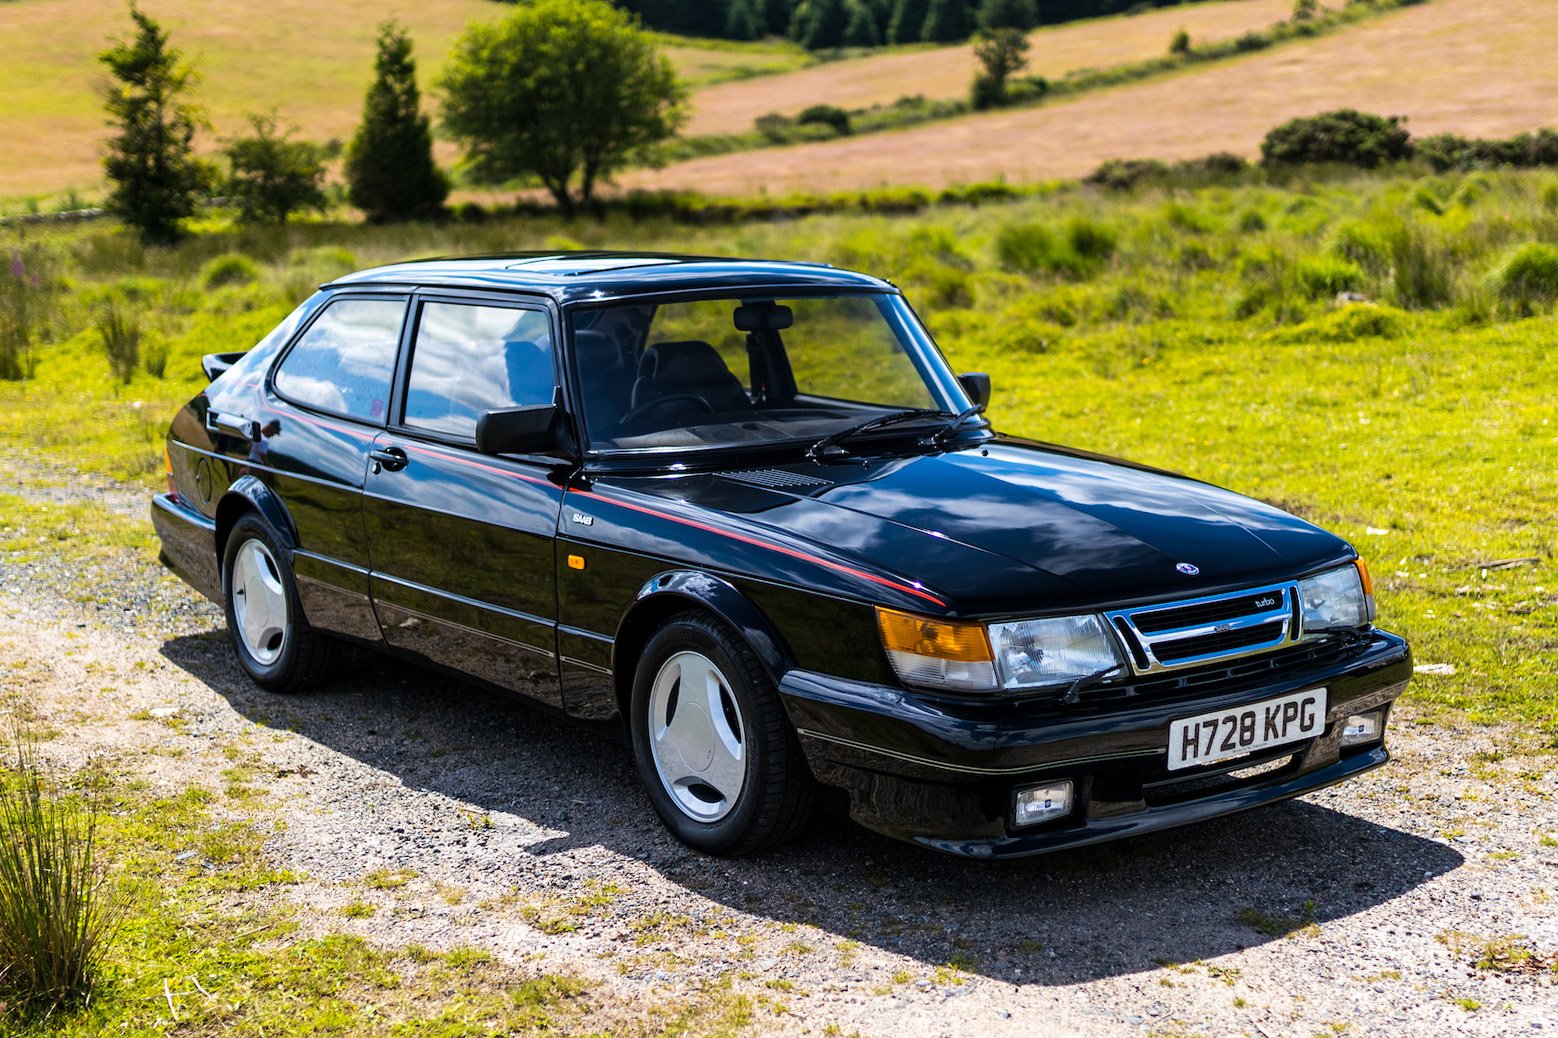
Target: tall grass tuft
pixel 24 303
pixel 57 912
pixel 120 328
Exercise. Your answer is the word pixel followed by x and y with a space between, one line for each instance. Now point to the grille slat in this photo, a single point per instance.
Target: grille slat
pixel 1153 621
pixel 1216 644
pixel 777 479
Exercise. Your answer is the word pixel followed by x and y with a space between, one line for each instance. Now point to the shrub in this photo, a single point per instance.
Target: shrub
pixel 274 176
pixel 1033 248
pixel 1325 276
pixel 826 115
pixel 1180 44
pixel 1447 151
pixel 1126 174
pixel 1305 10
pixel 1251 221
pixel 56 911
pixel 1345 136
pixel 1001 55
pixel 229 269
pixel 1528 275
pixel 1349 324
pixel 120 328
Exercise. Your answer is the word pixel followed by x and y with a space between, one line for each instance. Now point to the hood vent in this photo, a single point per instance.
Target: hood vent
pixel 778 479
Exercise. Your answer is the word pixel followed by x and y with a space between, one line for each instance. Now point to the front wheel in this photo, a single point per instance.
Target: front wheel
pixel 714 748
pixel 276 646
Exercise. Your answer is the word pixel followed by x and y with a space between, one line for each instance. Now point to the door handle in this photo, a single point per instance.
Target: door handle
pixel 392 458
pixel 232 425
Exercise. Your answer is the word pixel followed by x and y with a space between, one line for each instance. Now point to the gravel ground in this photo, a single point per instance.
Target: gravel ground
pixel 519 834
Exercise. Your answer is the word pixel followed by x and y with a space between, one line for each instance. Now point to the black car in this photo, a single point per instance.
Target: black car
pixel 743 514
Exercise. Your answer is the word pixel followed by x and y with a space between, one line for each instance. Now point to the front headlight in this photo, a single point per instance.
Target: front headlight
pixel 1336 598
pixel 1052 651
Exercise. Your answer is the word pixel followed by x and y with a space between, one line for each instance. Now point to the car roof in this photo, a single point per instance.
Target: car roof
pixel 589 276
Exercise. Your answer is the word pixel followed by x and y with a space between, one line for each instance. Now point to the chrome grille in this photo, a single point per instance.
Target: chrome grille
pixel 1197 631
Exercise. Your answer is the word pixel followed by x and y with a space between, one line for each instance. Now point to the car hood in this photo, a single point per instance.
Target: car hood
pixel 1017 525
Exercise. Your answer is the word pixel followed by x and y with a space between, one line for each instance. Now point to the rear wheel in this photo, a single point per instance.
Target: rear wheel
pixel 714 748
pixel 275 644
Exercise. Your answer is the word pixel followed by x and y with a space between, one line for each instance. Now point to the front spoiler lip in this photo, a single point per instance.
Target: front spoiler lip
pixel 1153 819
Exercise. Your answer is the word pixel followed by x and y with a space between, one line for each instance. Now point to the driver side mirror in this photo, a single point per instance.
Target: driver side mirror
pixel 518 430
pixel 977 385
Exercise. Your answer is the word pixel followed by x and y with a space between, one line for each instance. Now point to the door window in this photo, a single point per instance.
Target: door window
pixel 344 362
pixel 468 359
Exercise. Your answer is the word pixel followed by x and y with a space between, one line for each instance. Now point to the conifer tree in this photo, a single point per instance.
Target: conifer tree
pixel 1008 14
pixel 389 165
pixel 946 21
pixel 151 162
pixel 907 21
pixel 744 20
pixel 860 31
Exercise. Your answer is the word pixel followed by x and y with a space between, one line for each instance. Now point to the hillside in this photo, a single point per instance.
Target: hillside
pixel 311 61
pixel 945 72
pixel 1480 67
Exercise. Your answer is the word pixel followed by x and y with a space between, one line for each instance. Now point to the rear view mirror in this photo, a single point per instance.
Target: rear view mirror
pixel 771 317
pixel 977 385
pixel 517 430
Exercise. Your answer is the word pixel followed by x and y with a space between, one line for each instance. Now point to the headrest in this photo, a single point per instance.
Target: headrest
pixel 676 365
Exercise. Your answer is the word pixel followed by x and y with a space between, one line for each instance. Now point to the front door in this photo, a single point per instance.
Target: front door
pixel 463 570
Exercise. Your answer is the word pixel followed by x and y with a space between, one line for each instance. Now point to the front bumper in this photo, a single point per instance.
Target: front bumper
pixel 943 774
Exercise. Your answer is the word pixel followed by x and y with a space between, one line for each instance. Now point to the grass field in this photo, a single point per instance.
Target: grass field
pixel 945 72
pixel 1478 67
pixel 311 61
pixel 1192 329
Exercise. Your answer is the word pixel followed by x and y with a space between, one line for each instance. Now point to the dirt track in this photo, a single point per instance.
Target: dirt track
pixel 528 837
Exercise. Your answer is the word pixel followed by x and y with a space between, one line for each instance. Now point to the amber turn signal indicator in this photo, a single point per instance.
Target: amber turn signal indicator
pixel 938 639
pixel 576 562
pixel 1363 574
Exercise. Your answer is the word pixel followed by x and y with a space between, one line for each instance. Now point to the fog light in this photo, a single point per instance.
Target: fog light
pixel 1362 729
pixel 1042 803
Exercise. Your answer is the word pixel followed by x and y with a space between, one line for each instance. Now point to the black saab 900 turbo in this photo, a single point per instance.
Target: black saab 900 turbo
pixel 745 515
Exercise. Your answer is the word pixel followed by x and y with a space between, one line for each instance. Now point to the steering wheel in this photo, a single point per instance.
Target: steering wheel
pixel 659 401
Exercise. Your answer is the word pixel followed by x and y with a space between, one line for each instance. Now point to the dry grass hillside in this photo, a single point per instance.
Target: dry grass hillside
pixel 1481 67
pixel 945 71
pixel 310 60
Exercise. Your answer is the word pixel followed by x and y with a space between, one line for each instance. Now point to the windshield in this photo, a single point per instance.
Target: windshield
pixel 755 369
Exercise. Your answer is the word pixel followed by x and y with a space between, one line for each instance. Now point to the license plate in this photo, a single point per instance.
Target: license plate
pixel 1209 738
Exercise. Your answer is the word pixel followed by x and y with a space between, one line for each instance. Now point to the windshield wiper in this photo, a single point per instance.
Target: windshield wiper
pixel 954 424
pixel 834 439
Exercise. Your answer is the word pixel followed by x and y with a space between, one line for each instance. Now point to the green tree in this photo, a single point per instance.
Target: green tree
pixel 820 24
pixel 907 21
pixel 557 90
pixel 151 161
pixel 946 21
pixel 744 20
pixel 389 165
pixel 1008 14
pixel 273 176
pixel 861 30
pixel 1001 55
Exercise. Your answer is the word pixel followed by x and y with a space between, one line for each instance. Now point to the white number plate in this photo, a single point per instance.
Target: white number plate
pixel 1208 738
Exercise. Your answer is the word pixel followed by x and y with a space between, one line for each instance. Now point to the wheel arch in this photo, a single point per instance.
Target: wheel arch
pixel 246 494
pixel 674 591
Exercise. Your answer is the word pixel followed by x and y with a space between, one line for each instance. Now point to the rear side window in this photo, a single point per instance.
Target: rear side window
pixel 344 362
pixel 468 359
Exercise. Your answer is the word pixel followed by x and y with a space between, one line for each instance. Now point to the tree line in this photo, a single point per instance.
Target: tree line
pixel 827 24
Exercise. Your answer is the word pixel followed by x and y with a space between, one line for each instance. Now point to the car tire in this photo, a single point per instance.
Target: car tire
pixel 722 766
pixel 276 647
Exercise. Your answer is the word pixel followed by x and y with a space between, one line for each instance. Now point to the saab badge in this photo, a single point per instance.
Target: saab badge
pixel 1187 569
pixel 583 520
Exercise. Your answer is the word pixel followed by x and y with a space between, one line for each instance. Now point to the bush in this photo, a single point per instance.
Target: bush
pixel 1346 136
pixel 1325 276
pixel 1529 275
pixel 56 911
pixel 825 115
pixel 1180 44
pixel 1033 248
pixel 229 269
pixel 1447 151
pixel 272 175
pixel 1127 174
pixel 1349 324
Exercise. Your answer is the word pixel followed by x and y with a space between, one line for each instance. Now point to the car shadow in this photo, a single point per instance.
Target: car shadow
pixel 1189 894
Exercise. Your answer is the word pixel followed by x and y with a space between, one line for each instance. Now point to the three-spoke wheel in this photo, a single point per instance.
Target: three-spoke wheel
pixel 714 748
pixel 276 646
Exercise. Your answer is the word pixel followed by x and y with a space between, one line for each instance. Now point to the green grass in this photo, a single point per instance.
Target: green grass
pixel 1205 338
